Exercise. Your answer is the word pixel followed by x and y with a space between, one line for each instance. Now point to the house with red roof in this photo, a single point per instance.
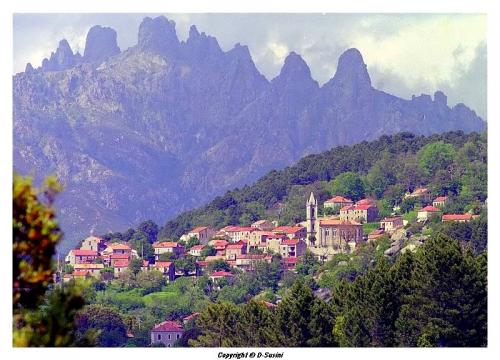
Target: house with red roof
pixel 196 250
pixel 79 256
pixel 119 267
pixel 233 250
pixel 337 202
pixel 167 268
pixel 391 223
pixel 292 232
pixel 166 333
pixel 427 213
pixel 191 317
pixel 440 201
pixel 202 233
pixel 219 245
pixel 363 211
pixel 168 247
pixel 93 269
pixel 292 248
pixel 457 217
pixel 237 233
pixel 111 259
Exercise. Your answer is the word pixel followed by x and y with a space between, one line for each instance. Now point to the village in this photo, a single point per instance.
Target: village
pixel 242 246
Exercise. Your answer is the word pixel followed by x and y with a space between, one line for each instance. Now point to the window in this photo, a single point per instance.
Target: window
pixel 168 345
pixel 178 336
pixel 169 336
pixel 159 336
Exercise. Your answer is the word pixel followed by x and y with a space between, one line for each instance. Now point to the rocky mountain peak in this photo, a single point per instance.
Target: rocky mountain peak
pixel 295 67
pixel 62 59
pixel 158 35
pixel 100 44
pixel 201 47
pixel 351 75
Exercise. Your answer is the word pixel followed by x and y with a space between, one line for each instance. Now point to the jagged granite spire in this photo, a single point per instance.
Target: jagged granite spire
pixel 62 59
pixel 100 44
pixel 351 76
pixel 158 35
pixel 294 69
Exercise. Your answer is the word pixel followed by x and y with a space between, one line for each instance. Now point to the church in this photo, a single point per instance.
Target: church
pixel 327 236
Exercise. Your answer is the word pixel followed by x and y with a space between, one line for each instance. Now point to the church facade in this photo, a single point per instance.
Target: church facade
pixel 327 236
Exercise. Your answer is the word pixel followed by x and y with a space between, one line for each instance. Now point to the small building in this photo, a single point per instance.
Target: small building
pixel 117 248
pixel 337 202
pixel 202 233
pixel 93 243
pixel 248 261
pixel 440 201
pixel 196 250
pixel 119 267
pixel 166 333
pixel 457 217
pixel 78 256
pixel 93 269
pixel 259 237
pixel 237 233
pixel 427 213
pixel 191 317
pixel 274 241
pixel 219 245
pixel 391 223
pixel 113 258
pixel 292 232
pixel 81 274
pixel 167 247
pixel 263 225
pixel 167 268
pixel 292 248
pixel 233 250
pixel 361 212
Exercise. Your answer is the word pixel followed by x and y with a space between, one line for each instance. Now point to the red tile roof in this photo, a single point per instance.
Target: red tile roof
pixel 277 236
pixel 168 326
pixel 293 260
pixel 441 198
pixel 429 208
pixel 288 229
pixel 221 273
pixel 121 263
pixel 79 252
pixel 118 246
pixel 456 217
pixel 235 246
pixel 376 232
pixel 198 229
pixel 363 206
pixel 338 199
pixel 216 243
pixel 197 247
pixel 347 208
pixel 269 305
pixel 290 242
pixel 366 201
pixel 166 244
pixel 202 263
pixel 145 263
pixel 419 191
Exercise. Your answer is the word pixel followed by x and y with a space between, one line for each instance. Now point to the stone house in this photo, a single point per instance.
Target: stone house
pixel 166 333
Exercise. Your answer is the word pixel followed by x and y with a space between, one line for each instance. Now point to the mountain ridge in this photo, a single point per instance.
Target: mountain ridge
pixel 166 125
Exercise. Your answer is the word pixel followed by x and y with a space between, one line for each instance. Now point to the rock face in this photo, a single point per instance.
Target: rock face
pixel 100 44
pixel 167 125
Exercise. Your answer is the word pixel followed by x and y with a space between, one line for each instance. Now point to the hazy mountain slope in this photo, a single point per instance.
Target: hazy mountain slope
pixel 167 125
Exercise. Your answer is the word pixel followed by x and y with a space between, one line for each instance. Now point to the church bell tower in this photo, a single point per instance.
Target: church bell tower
pixel 311 220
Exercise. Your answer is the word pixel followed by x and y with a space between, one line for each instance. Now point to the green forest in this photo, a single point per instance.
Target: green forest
pixel 433 296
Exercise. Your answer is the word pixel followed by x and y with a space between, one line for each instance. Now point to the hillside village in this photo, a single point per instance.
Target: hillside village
pixel 342 231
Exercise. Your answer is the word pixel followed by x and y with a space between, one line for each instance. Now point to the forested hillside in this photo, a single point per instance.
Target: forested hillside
pixel 451 163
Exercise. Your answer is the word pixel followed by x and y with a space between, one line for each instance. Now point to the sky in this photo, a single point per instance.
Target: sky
pixel 406 54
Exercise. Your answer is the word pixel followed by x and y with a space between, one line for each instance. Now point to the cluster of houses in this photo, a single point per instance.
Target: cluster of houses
pixel 324 236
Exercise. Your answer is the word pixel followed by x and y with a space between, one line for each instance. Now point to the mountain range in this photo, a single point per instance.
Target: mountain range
pixel 166 125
